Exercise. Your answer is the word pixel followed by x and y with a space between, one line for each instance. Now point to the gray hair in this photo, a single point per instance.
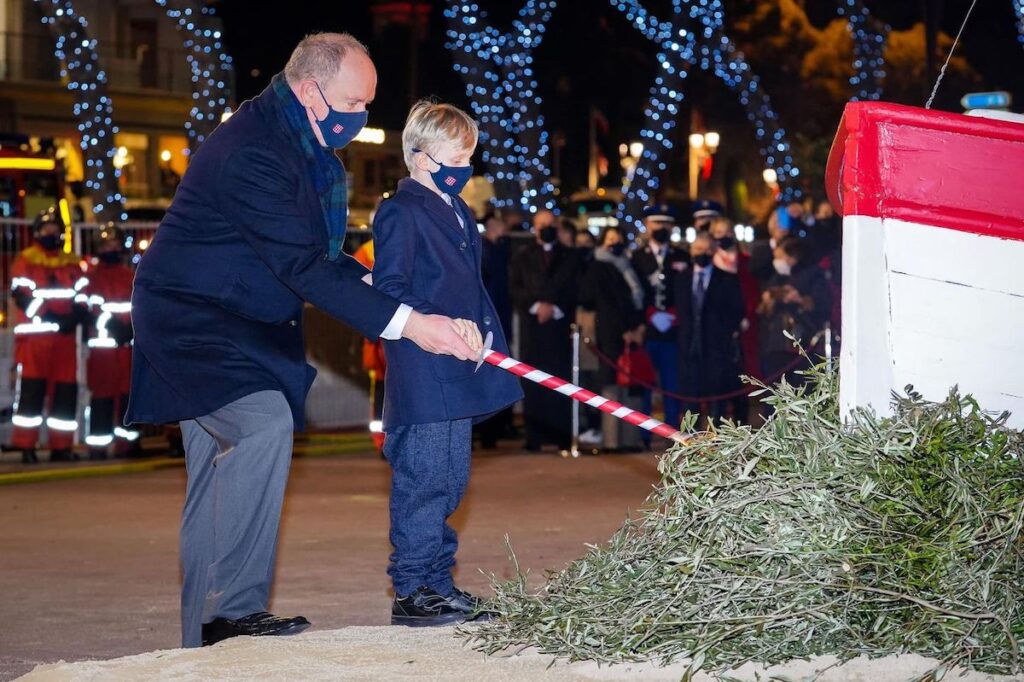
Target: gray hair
pixel 318 57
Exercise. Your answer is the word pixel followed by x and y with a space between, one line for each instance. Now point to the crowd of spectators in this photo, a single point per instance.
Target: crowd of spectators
pixel 670 325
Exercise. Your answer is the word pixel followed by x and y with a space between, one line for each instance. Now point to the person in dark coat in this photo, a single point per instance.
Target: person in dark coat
pixel 658 263
pixel 796 300
pixel 496 252
pixel 612 289
pixel 710 306
pixel 254 232
pixel 543 283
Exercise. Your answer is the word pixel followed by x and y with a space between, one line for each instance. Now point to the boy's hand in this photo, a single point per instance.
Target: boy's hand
pixel 438 334
pixel 470 333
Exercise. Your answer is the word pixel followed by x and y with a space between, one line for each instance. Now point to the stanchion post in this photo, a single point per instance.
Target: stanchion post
pixel 575 449
pixel 828 346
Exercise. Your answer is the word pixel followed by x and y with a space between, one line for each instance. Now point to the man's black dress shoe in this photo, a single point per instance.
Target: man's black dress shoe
pixel 424 608
pixel 260 624
pixel 470 605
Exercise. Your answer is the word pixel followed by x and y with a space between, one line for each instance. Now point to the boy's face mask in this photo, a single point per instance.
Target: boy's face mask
pixel 449 179
pixel 339 127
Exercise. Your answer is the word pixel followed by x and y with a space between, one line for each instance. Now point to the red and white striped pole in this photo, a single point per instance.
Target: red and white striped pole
pixel 521 369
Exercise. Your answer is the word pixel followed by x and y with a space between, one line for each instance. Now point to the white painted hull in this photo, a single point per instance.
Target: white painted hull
pixel 932 308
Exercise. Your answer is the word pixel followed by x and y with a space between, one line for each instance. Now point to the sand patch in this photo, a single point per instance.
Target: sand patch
pixel 386 653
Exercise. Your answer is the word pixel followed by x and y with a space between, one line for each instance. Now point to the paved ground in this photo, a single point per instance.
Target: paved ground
pixel 88 567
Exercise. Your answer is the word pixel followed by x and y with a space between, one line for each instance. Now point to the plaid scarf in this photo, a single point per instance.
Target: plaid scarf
pixel 326 169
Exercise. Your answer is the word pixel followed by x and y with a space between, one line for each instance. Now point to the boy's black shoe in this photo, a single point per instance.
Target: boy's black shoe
pixel 424 608
pixel 470 605
pixel 260 624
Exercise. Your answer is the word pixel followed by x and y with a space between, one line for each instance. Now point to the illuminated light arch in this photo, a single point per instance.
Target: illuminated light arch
pixel 209 64
pixel 694 37
pixel 497 69
pixel 93 109
pixel 869 38
pixel 1018 7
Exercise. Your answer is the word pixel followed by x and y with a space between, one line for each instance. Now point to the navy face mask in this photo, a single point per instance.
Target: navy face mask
pixel 339 127
pixel 449 179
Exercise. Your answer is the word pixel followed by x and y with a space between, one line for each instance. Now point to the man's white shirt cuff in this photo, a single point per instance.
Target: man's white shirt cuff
pixel 396 326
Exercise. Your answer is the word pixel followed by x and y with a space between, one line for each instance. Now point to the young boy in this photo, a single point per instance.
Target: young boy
pixel 428 255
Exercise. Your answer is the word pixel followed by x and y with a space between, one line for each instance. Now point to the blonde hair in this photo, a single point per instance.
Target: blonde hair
pixel 433 123
pixel 318 57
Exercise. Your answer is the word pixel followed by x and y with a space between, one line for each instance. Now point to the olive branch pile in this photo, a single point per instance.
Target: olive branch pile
pixel 805 537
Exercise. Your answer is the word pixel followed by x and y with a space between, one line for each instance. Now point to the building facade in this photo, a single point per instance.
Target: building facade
pixel 150 84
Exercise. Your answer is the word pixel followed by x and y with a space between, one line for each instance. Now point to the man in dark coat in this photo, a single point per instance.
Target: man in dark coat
pixel 255 231
pixel 543 280
pixel 710 307
pixel 659 263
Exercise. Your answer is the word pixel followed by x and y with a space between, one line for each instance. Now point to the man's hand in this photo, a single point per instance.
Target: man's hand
pixel 545 312
pixel 438 334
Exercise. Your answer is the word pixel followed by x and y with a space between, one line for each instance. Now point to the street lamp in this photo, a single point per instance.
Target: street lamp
pixel 771 178
pixel 629 158
pixel 702 147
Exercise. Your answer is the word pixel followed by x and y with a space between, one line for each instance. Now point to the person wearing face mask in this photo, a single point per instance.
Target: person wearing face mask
pixel 254 232
pixel 108 338
pixel 796 300
pixel 47 289
pixel 658 263
pixel 543 282
pixel 729 257
pixel 780 223
pixel 612 288
pixel 710 308
pixel 427 254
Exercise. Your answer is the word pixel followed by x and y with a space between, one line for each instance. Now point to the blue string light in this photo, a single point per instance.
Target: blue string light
pixel 497 69
pixel 93 109
pixel 1018 7
pixel 869 38
pixel 209 64
pixel 694 37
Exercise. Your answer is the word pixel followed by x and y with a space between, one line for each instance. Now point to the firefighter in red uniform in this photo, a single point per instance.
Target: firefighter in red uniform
pixel 47 287
pixel 109 338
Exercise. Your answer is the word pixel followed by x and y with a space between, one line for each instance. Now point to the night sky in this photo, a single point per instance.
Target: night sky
pixel 590 56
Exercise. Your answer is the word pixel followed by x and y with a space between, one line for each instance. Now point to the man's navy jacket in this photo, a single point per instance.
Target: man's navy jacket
pixel 424 258
pixel 217 305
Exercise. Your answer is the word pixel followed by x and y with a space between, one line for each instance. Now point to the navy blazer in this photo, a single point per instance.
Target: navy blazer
pixel 424 258
pixel 218 298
